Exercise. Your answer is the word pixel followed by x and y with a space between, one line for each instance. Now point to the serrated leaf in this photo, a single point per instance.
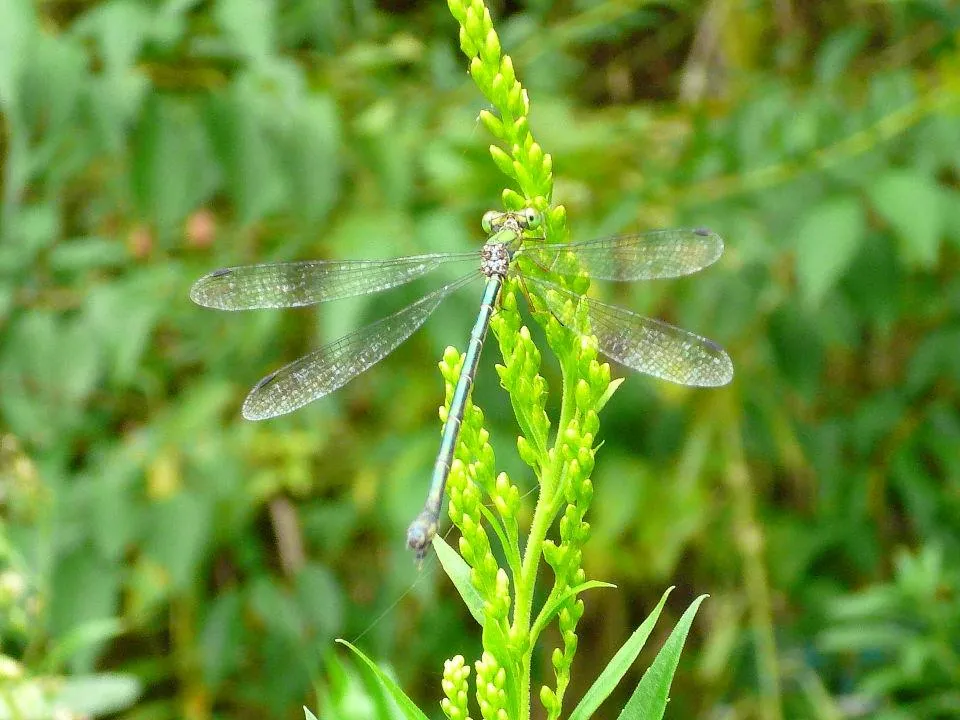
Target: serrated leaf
pixel 911 203
pixel 406 705
pixel 649 700
pixel 618 665
pixel 827 240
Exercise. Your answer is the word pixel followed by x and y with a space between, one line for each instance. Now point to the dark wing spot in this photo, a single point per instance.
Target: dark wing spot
pixel 703 231
pixel 221 272
pixel 265 381
pixel 706 341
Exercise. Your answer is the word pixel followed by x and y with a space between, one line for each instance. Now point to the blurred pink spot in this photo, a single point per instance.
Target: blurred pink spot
pixel 201 229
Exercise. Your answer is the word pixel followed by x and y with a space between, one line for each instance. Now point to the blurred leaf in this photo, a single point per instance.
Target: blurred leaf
pixel 36 229
pixel 249 165
pixel 120 28
pixel 248 24
pixel 78 255
pixel 109 498
pixel 115 104
pixel 101 694
pixel 54 83
pixel 310 149
pixel 321 600
pixel 222 638
pixel 935 357
pixel 911 203
pixel 276 609
pixel 827 240
pixel 89 634
pixel 85 589
pixel 836 53
pixel 173 171
pixel 17 23
pixel 179 530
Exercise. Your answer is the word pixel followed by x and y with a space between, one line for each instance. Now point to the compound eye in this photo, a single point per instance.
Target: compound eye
pixel 532 218
pixel 486 222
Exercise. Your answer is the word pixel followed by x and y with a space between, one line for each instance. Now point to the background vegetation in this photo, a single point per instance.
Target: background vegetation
pixel 149 531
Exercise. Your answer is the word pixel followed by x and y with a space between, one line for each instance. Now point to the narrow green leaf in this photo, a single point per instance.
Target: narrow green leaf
pixel 649 700
pixel 911 203
pixel 827 240
pixel 459 572
pixel 548 611
pixel 618 665
pixel 406 705
pixel 611 389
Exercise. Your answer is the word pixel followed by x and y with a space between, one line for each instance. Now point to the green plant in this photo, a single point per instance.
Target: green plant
pixel 498 586
pixel 902 638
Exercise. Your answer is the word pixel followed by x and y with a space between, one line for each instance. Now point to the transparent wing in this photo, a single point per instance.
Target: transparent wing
pixel 294 284
pixel 642 256
pixel 332 366
pixel 644 344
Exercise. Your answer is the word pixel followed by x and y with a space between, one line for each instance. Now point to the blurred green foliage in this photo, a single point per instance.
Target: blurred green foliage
pixel 149 532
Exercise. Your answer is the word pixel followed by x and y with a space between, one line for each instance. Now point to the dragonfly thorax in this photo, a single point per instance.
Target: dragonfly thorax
pixel 495 259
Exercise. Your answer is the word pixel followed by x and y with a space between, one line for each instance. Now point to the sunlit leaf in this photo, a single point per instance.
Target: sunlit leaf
pixel 458 571
pixel 618 666
pixel 406 705
pixel 649 700
pixel 96 695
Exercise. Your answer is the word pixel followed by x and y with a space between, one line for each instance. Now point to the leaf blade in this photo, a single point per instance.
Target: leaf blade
pixel 649 700
pixel 611 675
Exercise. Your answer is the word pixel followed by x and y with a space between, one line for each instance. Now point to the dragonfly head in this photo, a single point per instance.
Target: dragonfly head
pixel 526 219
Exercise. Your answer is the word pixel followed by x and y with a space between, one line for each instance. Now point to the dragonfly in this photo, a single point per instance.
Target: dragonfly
pixel 641 343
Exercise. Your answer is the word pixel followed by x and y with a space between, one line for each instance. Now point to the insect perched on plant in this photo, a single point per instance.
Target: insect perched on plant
pixel 644 344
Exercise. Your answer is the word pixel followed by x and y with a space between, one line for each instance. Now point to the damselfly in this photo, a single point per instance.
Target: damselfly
pixel 638 342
